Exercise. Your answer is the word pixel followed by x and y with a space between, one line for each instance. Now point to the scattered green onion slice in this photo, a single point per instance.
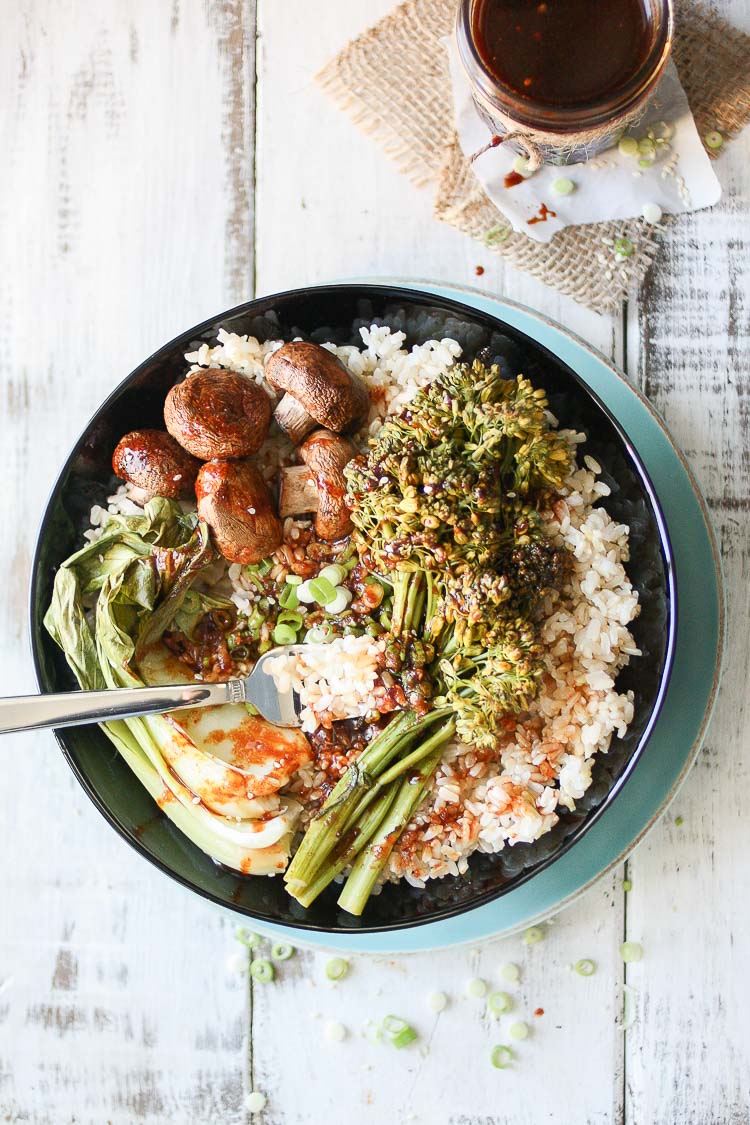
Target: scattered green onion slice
pixel 678 821
pixel 290 618
pixel 247 937
pixel 319 634
pixel 631 951
pixel 288 598
pixel 623 247
pixel 262 970
pixel 337 968
pixel 628 146
pixel 322 590
pixel 335 1031
pixel 519 1030
pixel 713 139
pixel 499 1002
pixel 293 580
pixel 563 186
pixel 399 1031
pixel 651 212
pixel 438 1001
pixel 645 161
pixel 304 593
pixel 510 973
pixel 533 935
pixel 627 885
pixel 284 635
pixel 282 951
pixel 255 1102
pixel 498 234
pixel 501 1057
pixel 585 967
pixel 334 574
pixel 477 988
pixel 521 166
pixel 646 146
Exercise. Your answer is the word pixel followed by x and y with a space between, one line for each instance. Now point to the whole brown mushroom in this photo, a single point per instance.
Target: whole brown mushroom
pixel 234 500
pixel 320 390
pixel 326 454
pixel 216 413
pixel 154 462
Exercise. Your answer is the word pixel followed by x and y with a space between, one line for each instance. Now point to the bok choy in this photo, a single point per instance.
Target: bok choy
pixel 215 772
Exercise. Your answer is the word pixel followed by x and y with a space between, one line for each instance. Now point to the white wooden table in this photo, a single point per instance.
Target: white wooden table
pixel 165 159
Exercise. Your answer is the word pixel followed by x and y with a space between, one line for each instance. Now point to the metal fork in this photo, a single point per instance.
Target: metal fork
pixel 75 708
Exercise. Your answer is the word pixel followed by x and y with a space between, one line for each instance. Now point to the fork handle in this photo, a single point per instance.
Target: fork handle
pixel 75 708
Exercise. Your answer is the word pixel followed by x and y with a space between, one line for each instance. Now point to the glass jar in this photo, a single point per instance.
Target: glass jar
pixel 569 124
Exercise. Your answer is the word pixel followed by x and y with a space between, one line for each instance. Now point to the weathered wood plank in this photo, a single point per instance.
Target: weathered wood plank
pixel 330 205
pixel 125 215
pixel 686 1057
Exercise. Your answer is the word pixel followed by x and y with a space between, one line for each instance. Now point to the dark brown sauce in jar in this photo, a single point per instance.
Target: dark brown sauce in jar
pixel 563 52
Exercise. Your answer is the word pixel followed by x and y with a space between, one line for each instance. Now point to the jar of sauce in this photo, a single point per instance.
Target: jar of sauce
pixel 568 74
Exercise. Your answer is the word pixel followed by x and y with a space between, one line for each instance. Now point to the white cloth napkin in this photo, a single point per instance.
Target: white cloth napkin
pixel 611 185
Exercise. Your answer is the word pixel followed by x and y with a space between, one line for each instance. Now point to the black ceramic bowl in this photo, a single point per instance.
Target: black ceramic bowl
pixel 336 312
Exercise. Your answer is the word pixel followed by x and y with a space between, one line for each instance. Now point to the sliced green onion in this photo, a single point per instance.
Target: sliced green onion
pixel 585 967
pixel 622 247
pixel 646 147
pixel 628 146
pixel 319 634
pixel 340 602
pixel 288 597
pixel 237 962
pixel 631 951
pixel 264 567
pixel 533 935
pixel 521 166
pixel 627 885
pixel 293 580
pixel 498 234
pixel 304 594
pixel 563 186
pixel 510 973
pixel 337 968
pixel 404 1037
pixel 282 951
pixel 477 988
pixel 335 1031
pixel 262 970
pixel 399 1031
pixel 322 590
pixel 499 1002
pixel 247 937
pixel 678 821
pixel 334 574
pixel 438 1001
pixel 651 212
pixel 255 1102
pixel 713 139
pixel 519 1030
pixel 645 161
pixel 290 618
pixel 372 1031
pixel 501 1057
pixel 284 635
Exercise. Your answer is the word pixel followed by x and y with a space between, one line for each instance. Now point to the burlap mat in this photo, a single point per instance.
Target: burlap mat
pixel 393 81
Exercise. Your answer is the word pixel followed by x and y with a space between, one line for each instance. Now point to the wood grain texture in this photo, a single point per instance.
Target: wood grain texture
pixel 127 213
pixel 125 216
pixel 686 1057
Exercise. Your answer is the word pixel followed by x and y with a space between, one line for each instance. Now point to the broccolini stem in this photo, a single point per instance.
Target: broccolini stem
pixel 326 830
pixel 373 858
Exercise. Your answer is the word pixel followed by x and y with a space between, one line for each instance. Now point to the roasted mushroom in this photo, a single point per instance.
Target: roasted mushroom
pixel 234 501
pixel 216 413
pixel 154 462
pixel 320 390
pixel 325 454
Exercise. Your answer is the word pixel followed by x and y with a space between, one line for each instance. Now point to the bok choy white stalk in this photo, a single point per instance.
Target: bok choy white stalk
pixel 138 572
